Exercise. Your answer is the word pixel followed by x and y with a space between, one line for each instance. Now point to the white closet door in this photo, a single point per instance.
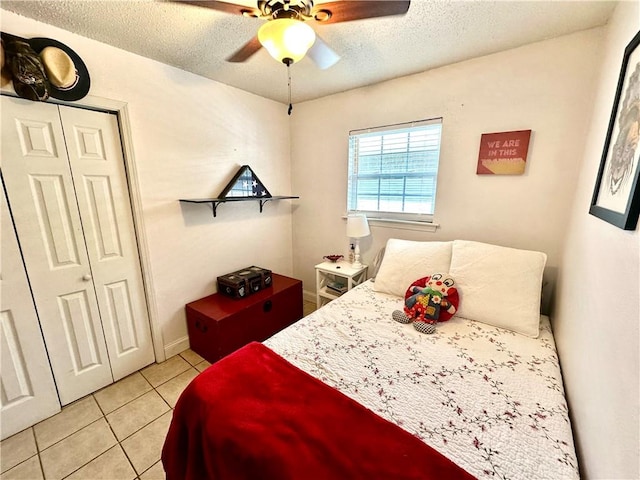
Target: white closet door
pixel 28 392
pixel 39 186
pixel 97 166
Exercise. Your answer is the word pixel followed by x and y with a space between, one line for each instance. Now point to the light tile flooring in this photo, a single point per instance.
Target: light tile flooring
pixel 116 433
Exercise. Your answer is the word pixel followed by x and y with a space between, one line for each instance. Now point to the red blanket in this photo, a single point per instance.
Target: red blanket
pixel 254 415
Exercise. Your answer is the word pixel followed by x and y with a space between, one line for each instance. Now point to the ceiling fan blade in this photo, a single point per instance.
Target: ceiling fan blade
pixel 248 49
pixel 342 11
pixel 222 7
pixel 322 55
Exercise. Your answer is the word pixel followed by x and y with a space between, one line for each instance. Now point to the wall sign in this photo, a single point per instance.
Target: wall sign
pixel 503 153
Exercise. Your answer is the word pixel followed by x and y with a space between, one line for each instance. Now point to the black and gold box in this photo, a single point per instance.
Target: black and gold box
pixel 265 275
pixel 244 282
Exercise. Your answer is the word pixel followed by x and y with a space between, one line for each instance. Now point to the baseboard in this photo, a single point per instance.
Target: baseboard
pixel 176 347
pixel 309 296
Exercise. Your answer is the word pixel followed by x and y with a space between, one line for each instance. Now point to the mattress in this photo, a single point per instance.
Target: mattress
pixel 487 398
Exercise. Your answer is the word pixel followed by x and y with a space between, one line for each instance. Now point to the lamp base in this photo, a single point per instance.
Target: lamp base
pixel 356 259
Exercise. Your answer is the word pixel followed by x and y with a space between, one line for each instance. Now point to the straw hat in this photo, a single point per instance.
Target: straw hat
pixel 59 68
pixel 67 74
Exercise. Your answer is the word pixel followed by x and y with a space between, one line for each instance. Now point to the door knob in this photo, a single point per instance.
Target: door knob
pixel 86 277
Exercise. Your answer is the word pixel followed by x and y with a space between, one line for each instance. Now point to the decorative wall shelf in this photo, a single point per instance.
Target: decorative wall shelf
pixel 217 201
pixel 244 187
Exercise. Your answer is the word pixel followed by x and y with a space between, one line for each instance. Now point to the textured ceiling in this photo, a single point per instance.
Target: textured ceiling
pixel 433 33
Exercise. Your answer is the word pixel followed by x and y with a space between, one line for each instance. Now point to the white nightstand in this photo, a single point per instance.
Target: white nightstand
pixel 342 272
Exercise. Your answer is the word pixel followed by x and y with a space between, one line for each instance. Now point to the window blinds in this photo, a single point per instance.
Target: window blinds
pixel 394 169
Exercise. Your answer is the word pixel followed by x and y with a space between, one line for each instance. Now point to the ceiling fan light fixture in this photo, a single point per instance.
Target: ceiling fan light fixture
pixel 286 39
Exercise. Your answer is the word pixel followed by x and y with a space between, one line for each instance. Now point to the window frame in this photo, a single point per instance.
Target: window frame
pixel 386 216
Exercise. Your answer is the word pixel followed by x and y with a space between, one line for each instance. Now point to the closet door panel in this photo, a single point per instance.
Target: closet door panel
pixel 40 188
pixel 28 393
pixel 97 166
pixel 55 223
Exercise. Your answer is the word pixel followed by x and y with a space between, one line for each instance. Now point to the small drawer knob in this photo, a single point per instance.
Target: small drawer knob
pixel 268 305
pixel 202 327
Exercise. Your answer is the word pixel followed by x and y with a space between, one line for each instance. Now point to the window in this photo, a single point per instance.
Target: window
pixel 393 170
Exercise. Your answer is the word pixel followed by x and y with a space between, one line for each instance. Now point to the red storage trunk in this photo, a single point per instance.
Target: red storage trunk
pixel 219 325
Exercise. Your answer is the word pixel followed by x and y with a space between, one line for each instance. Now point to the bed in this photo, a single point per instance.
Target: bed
pixel 347 392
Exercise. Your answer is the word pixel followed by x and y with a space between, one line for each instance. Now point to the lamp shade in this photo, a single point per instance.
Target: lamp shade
pixel 357 226
pixel 286 38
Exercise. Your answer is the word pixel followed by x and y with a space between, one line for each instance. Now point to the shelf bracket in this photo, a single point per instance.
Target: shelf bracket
pixel 262 202
pixel 214 207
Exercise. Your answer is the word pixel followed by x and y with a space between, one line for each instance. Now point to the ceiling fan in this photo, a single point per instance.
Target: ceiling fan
pixel 287 36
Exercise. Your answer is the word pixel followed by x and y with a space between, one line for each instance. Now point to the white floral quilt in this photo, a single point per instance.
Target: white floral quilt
pixel 489 399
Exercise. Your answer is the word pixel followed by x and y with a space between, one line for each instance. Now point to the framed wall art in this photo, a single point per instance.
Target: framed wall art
pixel 616 197
pixel 503 153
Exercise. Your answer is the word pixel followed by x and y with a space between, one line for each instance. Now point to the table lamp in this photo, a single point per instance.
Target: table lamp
pixel 357 227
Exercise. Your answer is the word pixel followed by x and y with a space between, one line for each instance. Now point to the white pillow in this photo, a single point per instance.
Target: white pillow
pixel 498 285
pixel 406 261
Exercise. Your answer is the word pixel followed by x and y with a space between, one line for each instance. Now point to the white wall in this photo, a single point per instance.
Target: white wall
pixel 545 87
pixel 598 300
pixel 190 135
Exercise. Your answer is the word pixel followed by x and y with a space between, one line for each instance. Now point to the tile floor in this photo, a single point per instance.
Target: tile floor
pixel 116 433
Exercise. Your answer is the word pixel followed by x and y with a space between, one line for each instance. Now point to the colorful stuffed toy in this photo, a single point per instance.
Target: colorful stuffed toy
pixel 427 301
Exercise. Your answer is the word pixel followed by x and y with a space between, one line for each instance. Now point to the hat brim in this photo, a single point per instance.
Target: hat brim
pixel 81 88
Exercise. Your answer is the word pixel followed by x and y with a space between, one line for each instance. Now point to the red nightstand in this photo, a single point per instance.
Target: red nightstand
pixel 219 325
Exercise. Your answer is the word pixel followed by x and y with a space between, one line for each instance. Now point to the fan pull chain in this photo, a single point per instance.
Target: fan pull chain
pixel 289 86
